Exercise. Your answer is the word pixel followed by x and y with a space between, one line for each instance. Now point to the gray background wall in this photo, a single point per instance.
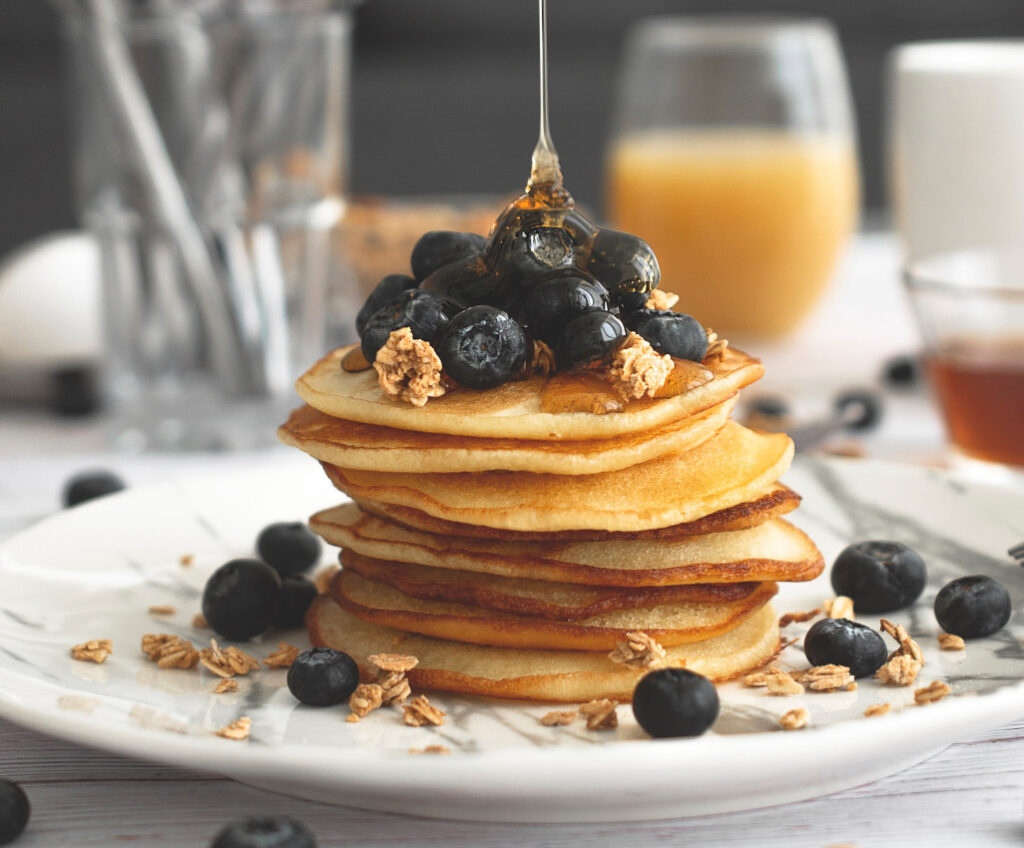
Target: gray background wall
pixel 445 90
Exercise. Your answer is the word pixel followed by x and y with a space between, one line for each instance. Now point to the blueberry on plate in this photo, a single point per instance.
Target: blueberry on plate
pixel 297 593
pixel 442 247
pixel 14 811
pixel 386 291
pixel 973 607
pixel 674 333
pixel 675 702
pixel 626 265
pixel 322 677
pixel 483 347
pixel 554 301
pixel 879 576
pixel 425 313
pixel 592 335
pixel 265 832
pixel 840 641
pixel 241 598
pixel 288 547
pixel 91 484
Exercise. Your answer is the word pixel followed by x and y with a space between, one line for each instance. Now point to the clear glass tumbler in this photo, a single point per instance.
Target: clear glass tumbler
pixel 970 309
pixel 210 162
pixel 733 155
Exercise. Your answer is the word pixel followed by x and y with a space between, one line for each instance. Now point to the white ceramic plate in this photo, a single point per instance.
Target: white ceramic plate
pixel 93 571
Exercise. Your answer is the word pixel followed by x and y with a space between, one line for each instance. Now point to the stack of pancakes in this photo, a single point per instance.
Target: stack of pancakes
pixel 511 548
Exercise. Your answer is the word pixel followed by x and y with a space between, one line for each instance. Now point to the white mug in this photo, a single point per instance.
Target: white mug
pixel 956 143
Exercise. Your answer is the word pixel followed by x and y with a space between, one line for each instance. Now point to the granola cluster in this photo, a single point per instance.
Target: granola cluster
pixel 419 711
pixel 903 664
pixel 391 687
pixel 638 650
pixel 637 369
pixel 600 714
pixel 543 360
pixel 169 651
pixel 227 662
pixel 661 299
pixel 409 369
pixel 95 651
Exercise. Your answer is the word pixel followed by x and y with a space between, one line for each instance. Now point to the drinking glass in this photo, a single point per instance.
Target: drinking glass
pixel 733 155
pixel 210 163
pixel 970 309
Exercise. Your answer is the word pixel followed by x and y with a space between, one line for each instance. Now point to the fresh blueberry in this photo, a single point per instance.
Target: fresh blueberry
pixel 675 702
pixel 592 335
pixel 75 392
pixel 288 547
pixel 241 598
pixel 626 265
pixel 554 301
pixel 442 247
pixel 674 333
pixel 425 313
pixel 14 811
pixel 879 576
pixel 265 832
pixel 972 607
pixel 386 291
pixel 470 282
pixel 91 484
pixel 769 406
pixel 840 641
pixel 297 593
pixel 859 409
pixel 483 347
pixel 322 677
pixel 531 250
pixel 902 372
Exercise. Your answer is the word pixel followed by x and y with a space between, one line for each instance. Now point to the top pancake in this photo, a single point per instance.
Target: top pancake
pixel 512 410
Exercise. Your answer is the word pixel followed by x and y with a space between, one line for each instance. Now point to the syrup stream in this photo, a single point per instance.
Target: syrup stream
pixel 544 169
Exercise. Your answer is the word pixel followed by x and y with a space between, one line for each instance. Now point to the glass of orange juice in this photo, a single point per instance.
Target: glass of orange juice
pixel 733 155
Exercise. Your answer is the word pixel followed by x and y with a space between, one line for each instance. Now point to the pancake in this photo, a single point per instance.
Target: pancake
pixel 775 550
pixel 565 676
pixel 728 469
pixel 511 410
pixel 775 501
pixel 669 624
pixel 532 598
pixel 354 444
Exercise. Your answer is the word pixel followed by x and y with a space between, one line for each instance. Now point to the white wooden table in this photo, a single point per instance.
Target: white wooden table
pixel 972 794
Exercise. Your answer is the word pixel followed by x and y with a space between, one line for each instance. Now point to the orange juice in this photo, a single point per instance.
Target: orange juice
pixel 747 224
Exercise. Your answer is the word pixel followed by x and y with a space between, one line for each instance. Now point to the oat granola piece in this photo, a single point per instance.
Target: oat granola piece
pixel 169 651
pixel 716 345
pixel 934 691
pixel 237 730
pixel 409 369
pixel 637 369
pixel 366 698
pixel 951 642
pixel 900 670
pixel 394 686
pixel 907 645
pixel 600 714
pixel 877 710
pixel 419 711
pixel 828 678
pixel 791 617
pixel 227 662
pixel 187 560
pixel 431 749
pixel 661 299
pixel 394 662
pixel 228 684
pixel 94 651
pixel 756 678
pixel 199 621
pixel 161 609
pixel 322 579
pixel 839 607
pixel 638 650
pixel 283 657
pixel 779 682
pixel 559 718
pixel 543 361
pixel 794 719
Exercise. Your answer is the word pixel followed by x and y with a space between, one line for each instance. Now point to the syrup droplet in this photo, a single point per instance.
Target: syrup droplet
pixel 354 361
pixel 686 375
pixel 580 391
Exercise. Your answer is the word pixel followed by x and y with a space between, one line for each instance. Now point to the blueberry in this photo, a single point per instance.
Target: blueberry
pixel 425 313
pixel 531 250
pixel 901 372
pixel 442 247
pixel 91 484
pixel 769 406
pixel 297 593
pixel 675 702
pixel 483 347
pixel 75 392
pixel 322 677
pixel 241 598
pixel 879 576
pixel 972 607
pixel 626 265
pixel 859 409
pixel 592 335
pixel 674 333
pixel 554 301
pixel 288 547
pixel 470 282
pixel 840 641
pixel 14 811
pixel 265 832
pixel 386 291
